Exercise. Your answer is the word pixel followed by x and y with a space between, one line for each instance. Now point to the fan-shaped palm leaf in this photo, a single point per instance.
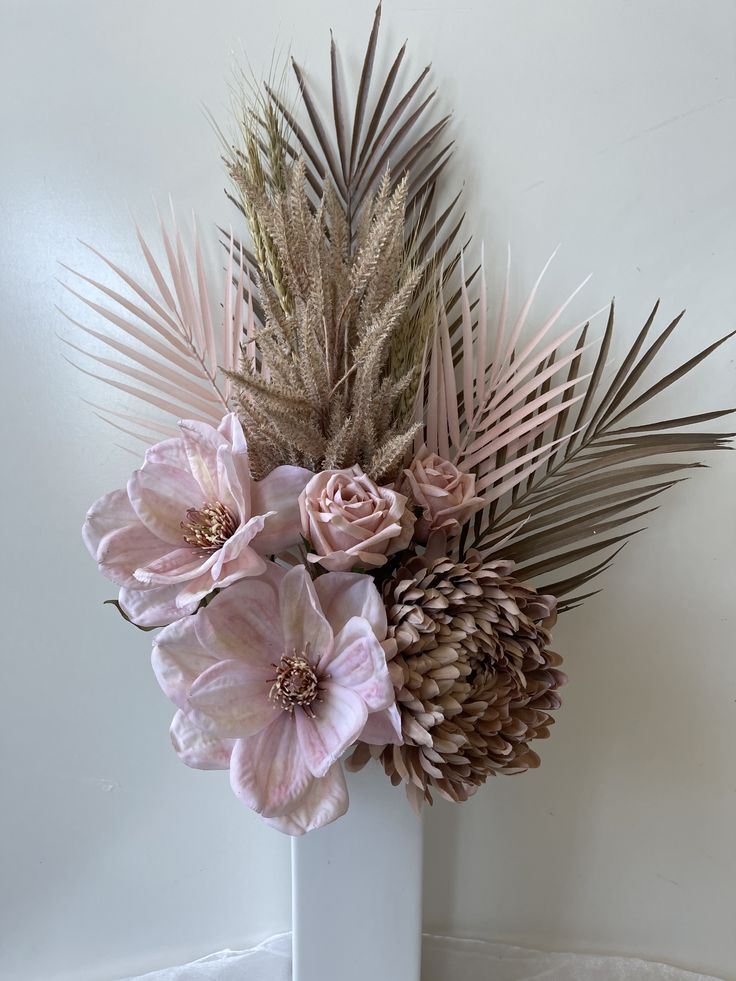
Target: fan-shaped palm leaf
pixel 390 128
pixel 562 477
pixel 167 350
pixel 495 423
pixel 604 472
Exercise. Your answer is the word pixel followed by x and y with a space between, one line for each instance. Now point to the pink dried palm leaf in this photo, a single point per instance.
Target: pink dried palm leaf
pixel 494 423
pixel 173 343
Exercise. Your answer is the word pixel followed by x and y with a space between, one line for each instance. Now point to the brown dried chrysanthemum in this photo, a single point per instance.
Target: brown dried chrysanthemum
pixel 474 676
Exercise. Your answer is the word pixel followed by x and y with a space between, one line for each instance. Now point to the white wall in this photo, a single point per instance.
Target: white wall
pixel 609 126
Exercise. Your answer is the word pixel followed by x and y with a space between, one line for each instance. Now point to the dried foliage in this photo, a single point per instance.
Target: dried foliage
pixel 172 345
pixel 392 130
pixel 317 389
pixel 590 496
pixel 563 479
pixel 346 332
pixel 388 133
pixel 474 675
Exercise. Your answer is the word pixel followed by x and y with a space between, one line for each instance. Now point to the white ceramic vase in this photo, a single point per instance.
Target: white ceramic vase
pixel 357 889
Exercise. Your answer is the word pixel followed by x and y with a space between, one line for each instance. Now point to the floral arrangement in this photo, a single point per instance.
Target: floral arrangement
pixel 376 503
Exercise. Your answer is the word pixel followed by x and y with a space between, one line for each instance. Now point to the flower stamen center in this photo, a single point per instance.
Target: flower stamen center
pixel 296 683
pixel 208 527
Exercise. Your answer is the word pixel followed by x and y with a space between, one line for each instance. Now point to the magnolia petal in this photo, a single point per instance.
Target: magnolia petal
pixel 154 607
pixel 247 565
pixel 178 659
pixel 343 595
pixel 383 728
pixel 325 801
pixel 201 443
pixel 170 452
pixel 359 663
pixel 212 574
pixel 122 551
pixel 268 772
pixel 231 429
pixel 161 495
pixel 177 565
pixel 338 721
pixel 193 591
pixel 230 700
pixel 107 515
pixel 238 553
pixel 243 622
pixel 229 490
pixel 278 495
pixel 303 623
pixel 199 749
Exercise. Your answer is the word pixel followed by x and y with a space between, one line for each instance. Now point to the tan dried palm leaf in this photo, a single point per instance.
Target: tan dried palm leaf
pixel 389 129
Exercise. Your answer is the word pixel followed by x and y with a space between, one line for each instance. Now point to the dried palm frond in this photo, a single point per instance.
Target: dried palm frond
pixel 182 344
pixel 392 132
pixel 355 149
pixel 316 388
pixel 591 495
pixel 488 424
pixel 561 478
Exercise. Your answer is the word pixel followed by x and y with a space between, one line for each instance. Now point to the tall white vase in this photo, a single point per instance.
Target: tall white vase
pixel 357 889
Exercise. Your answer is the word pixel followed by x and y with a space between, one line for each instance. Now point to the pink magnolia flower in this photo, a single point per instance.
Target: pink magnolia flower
pixel 191 519
pixel 274 679
pixel 445 494
pixel 352 521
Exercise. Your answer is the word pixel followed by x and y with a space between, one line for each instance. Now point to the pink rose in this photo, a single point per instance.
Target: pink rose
pixel 190 520
pixel 351 521
pixel 445 494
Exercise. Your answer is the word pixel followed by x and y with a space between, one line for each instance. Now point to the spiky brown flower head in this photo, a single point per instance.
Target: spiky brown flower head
pixel 474 675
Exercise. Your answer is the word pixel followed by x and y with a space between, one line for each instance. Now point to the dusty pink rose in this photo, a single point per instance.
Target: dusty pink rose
pixel 191 519
pixel 445 494
pixel 351 521
pixel 274 679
